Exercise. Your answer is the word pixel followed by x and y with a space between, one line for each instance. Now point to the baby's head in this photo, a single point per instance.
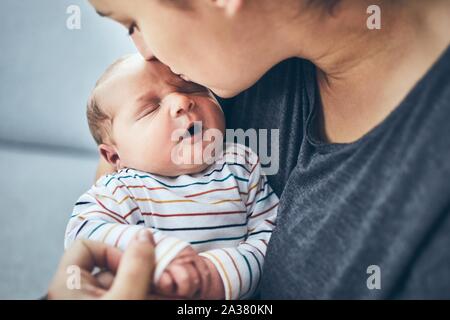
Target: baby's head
pixel 142 116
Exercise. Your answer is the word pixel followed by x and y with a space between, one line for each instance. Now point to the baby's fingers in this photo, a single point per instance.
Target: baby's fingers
pixel 187 280
pixel 166 285
pixel 205 277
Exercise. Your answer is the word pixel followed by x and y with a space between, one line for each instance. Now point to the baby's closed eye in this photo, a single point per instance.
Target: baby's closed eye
pixel 148 111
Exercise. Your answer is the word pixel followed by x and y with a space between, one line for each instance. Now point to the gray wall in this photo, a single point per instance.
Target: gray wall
pixel 47 157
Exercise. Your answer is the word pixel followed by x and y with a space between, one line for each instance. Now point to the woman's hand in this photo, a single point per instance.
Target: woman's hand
pixel 128 273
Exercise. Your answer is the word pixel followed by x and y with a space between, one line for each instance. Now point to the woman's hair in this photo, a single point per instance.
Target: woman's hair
pixel 328 5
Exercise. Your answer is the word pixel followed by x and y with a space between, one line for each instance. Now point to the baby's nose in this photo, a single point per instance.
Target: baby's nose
pixel 179 104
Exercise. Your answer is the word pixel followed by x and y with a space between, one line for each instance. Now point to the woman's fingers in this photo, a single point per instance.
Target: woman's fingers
pixel 83 256
pixel 135 271
pixel 89 254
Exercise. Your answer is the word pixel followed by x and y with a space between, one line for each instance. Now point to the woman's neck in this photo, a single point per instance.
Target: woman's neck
pixel 364 74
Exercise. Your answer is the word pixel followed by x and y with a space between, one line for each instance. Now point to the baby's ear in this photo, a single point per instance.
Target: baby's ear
pixel 109 153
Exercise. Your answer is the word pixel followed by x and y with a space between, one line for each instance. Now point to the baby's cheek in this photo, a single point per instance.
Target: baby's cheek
pixel 218 118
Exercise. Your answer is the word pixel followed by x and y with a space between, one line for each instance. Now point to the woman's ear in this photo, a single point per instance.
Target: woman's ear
pixel 231 7
pixel 109 153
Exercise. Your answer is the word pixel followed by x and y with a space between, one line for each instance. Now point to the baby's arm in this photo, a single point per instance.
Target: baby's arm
pixel 240 267
pixel 109 213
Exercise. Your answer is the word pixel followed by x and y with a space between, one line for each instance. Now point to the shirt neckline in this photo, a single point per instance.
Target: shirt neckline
pixel 323 146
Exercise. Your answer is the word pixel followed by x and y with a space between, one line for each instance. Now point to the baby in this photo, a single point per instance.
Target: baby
pixel 208 204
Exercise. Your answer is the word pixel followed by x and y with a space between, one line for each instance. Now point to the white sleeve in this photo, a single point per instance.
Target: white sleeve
pixel 240 268
pixel 109 214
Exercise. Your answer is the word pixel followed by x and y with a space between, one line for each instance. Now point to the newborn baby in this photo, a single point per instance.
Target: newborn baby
pixel 207 203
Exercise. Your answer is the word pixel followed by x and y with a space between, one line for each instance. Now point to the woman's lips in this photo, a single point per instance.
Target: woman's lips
pixel 182 76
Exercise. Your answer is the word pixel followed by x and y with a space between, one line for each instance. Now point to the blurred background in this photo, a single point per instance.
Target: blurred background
pixel 47 155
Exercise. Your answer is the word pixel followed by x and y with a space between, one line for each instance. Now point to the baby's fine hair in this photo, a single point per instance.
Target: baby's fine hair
pixel 98 120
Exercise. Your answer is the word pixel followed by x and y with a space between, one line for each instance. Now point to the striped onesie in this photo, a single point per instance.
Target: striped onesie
pixel 226 213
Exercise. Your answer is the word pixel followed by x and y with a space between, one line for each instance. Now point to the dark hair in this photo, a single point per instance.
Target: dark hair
pixel 328 5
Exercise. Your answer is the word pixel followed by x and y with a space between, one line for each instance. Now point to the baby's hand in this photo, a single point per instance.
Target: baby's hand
pixel 187 276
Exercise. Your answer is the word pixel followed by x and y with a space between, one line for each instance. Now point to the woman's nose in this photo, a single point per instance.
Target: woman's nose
pixel 140 44
pixel 179 104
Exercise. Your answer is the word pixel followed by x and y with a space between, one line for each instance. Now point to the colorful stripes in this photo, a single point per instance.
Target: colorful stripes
pixel 192 214
pixel 174 186
pixel 227 214
pixel 217 239
pixel 228 287
pixel 128 197
pixel 201 228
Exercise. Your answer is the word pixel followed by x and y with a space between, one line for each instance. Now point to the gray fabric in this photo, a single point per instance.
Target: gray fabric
pixel 383 200
pixel 37 194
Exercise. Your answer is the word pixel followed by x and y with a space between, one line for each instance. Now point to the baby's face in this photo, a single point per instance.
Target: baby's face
pixel 151 108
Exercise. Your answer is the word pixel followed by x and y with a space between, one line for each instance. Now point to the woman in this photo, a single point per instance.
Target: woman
pixel 133 270
pixel 364 136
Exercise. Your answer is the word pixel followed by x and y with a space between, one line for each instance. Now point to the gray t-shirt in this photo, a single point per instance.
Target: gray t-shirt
pixel 359 216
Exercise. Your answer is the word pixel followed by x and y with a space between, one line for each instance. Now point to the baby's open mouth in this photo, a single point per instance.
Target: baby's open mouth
pixel 194 129
pixel 194 132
